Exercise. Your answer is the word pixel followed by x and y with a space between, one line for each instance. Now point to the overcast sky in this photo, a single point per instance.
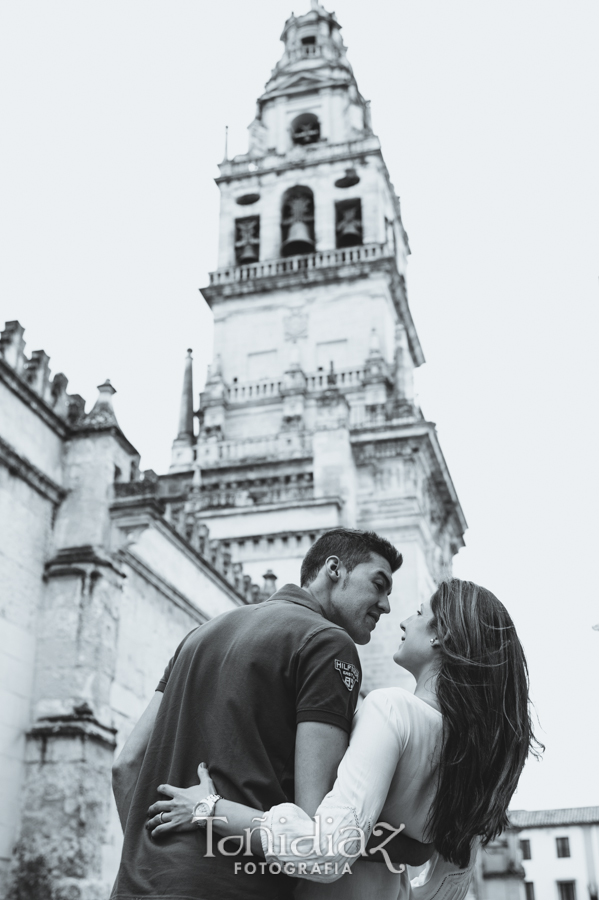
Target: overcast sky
pixel 112 121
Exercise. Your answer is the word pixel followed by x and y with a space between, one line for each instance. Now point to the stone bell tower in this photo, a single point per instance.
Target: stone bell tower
pixel 308 419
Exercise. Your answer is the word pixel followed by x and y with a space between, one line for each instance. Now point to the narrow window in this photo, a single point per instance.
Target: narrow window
pixel 529 889
pixel 247 240
pixel 348 229
pixel 525 849
pixel 563 850
pixel 567 890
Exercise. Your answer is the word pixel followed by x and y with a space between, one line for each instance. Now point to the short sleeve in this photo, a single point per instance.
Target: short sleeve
pixel 328 679
pixel 167 672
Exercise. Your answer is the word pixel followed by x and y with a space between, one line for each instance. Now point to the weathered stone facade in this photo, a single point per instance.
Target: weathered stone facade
pixel 98 588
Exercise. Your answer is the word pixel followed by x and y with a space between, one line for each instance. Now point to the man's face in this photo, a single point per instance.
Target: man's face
pixel 361 597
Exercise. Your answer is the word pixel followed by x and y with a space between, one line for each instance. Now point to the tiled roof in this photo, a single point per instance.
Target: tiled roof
pixel 546 818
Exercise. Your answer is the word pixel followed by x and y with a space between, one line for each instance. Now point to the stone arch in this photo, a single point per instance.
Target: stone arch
pixel 297 221
pixel 305 129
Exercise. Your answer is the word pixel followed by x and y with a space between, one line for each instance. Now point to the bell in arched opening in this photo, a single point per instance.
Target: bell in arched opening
pixel 348 229
pixel 297 222
pixel 247 240
pixel 305 129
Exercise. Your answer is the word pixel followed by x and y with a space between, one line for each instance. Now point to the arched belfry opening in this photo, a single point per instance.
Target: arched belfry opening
pixel 305 129
pixel 297 221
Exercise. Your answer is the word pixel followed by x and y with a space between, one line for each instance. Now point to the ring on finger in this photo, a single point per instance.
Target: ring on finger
pixel 161 819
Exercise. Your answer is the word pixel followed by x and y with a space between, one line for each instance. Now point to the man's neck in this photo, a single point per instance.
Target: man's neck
pixel 319 597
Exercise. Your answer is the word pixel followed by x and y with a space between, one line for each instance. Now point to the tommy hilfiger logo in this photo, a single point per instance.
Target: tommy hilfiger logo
pixel 349 674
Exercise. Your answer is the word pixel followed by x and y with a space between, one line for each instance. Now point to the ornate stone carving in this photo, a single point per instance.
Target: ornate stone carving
pixel 295 325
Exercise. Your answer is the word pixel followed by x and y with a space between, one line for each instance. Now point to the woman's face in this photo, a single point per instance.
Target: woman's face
pixel 416 650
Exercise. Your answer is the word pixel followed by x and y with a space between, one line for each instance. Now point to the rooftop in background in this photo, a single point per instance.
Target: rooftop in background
pixel 548 818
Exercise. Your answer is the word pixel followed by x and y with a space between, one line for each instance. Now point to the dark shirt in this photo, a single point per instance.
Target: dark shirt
pixel 234 694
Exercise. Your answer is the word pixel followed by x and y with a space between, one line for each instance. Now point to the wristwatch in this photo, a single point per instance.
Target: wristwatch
pixel 204 809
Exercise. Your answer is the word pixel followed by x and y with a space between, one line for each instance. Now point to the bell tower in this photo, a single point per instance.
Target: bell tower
pixel 308 419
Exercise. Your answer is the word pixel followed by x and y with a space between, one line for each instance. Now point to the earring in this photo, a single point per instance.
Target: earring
pixel 433 640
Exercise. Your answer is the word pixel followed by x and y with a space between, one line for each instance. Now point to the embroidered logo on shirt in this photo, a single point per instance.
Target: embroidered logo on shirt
pixel 349 674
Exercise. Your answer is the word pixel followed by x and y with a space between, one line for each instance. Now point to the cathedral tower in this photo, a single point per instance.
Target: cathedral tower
pixel 308 418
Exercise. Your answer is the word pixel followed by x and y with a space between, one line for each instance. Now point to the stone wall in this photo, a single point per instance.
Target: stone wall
pixel 98 589
pixel 25 521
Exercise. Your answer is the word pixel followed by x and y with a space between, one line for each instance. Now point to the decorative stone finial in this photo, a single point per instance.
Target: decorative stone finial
pixel 102 414
pixel 270 584
pixel 106 389
pixel 332 376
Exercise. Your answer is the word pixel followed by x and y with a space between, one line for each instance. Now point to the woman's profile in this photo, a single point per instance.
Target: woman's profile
pixel 443 761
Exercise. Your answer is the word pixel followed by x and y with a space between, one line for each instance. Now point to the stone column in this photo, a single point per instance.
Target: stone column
pixel 404 370
pixel 70 745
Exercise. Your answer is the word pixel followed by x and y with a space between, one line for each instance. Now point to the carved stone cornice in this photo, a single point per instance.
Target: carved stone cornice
pixel 310 155
pixel 402 440
pixel 21 467
pixel 83 726
pixel 165 587
pixel 133 516
pixel 79 560
pixel 271 507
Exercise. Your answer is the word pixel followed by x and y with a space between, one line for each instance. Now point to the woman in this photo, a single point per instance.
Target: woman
pixel 443 761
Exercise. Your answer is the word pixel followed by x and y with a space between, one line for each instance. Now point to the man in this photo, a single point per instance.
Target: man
pixel 265 695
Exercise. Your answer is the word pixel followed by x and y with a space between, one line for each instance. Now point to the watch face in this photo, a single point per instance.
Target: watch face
pixel 202 809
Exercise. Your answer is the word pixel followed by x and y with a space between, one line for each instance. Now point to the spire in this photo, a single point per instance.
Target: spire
pixel 182 455
pixel 186 411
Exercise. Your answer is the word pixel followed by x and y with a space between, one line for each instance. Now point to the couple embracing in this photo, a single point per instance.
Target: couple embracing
pixel 299 796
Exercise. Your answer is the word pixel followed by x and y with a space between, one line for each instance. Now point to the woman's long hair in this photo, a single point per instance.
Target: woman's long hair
pixel 482 690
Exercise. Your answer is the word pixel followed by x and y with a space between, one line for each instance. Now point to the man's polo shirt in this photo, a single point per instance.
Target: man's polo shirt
pixel 234 693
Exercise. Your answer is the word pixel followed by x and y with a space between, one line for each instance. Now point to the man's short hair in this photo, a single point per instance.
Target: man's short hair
pixel 351 546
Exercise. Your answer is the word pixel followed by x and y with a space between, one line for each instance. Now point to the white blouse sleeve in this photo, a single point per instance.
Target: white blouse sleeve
pixel 343 822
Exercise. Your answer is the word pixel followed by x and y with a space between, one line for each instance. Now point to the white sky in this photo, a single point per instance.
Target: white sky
pixel 112 121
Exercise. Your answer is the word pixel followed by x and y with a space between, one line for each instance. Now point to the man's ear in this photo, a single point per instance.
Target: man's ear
pixel 333 568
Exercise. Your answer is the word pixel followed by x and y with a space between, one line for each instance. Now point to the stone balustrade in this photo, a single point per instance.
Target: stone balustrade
pixel 362 416
pixel 241 392
pixel 345 378
pixel 288 445
pixel 306 51
pixel 254 390
pixel 257 491
pixel 322 259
